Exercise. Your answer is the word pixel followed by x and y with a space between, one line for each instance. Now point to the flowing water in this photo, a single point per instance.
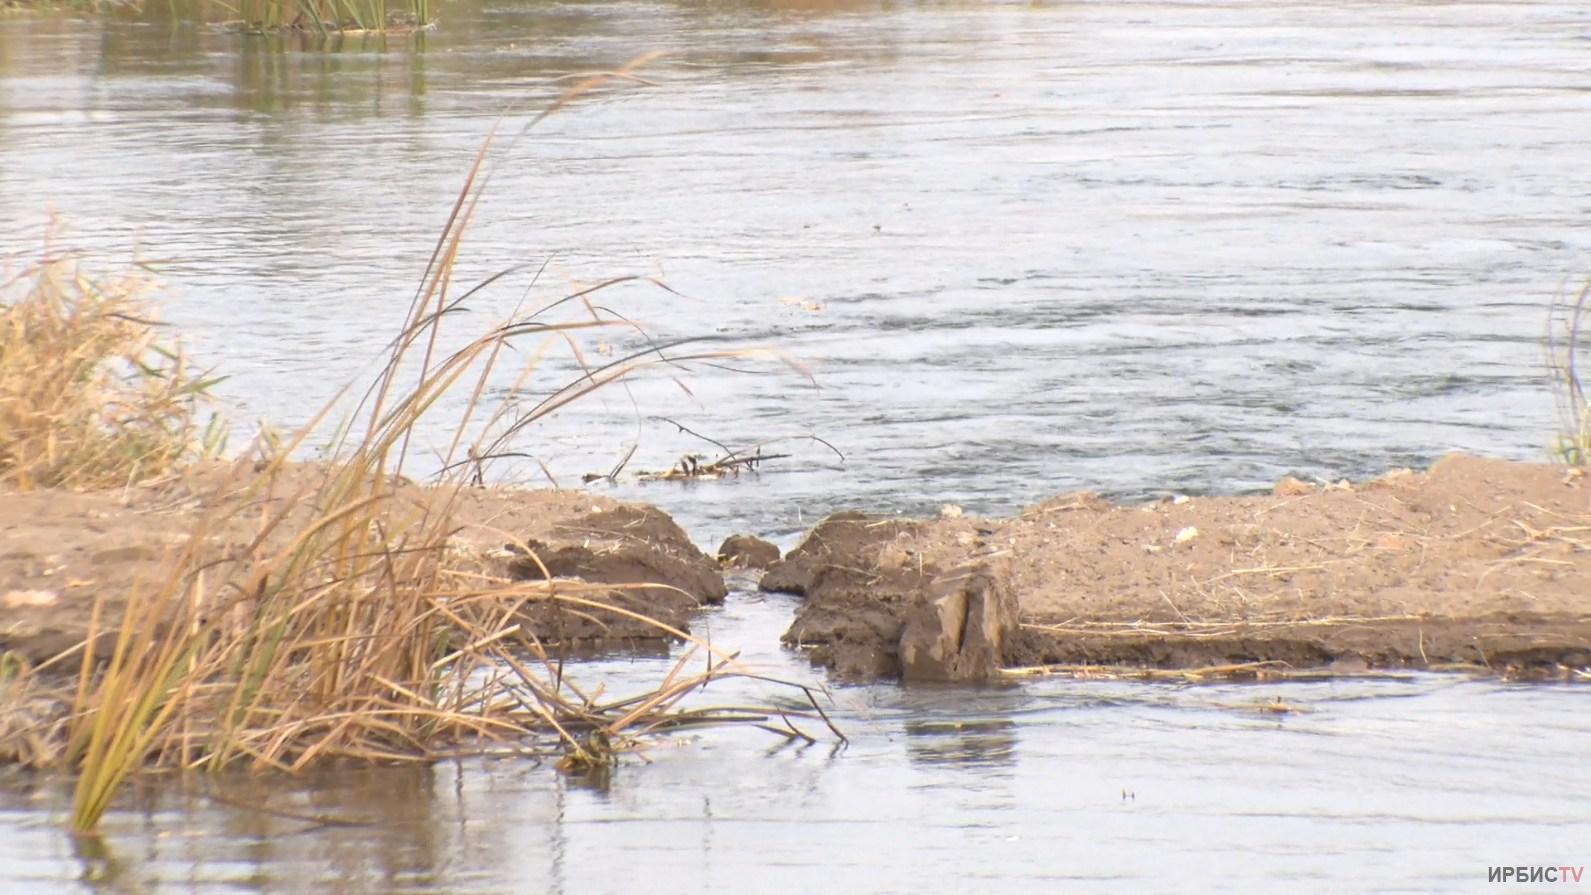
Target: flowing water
pixel 1022 249
pixel 1414 785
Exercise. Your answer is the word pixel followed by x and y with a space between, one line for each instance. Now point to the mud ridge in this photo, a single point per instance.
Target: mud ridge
pixel 60 551
pixel 1477 563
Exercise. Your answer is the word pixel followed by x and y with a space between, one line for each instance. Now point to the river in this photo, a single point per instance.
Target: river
pixel 1021 248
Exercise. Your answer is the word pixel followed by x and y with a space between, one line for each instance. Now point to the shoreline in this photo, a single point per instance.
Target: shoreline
pixel 1476 564
pixel 61 550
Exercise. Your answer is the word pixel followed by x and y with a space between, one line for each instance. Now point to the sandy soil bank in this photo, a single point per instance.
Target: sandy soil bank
pixel 1477 562
pixel 60 550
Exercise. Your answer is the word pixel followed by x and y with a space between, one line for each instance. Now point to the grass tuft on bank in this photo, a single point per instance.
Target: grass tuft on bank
pixel 1569 352
pixel 330 17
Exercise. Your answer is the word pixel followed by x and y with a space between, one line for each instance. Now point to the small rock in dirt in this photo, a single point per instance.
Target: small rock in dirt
pixel 1391 540
pixel 893 557
pixel 1291 487
pixel 17 599
pixel 747 552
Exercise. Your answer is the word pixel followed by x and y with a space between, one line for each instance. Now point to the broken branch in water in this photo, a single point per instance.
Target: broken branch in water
pixel 696 466
pixel 732 463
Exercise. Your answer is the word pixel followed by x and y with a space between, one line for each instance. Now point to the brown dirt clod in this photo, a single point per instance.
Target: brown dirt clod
pixel 624 544
pixel 747 552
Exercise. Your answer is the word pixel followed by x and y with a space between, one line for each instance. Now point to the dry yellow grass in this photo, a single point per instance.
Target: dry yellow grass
pixel 339 631
pixel 90 394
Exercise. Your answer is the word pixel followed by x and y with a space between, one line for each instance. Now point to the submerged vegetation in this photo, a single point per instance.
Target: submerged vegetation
pixel 318 17
pixel 343 628
pixel 327 17
pixel 1569 347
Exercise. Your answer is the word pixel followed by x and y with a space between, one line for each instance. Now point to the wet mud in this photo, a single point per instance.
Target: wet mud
pixel 748 552
pixel 665 578
pixel 1476 563
pixel 60 552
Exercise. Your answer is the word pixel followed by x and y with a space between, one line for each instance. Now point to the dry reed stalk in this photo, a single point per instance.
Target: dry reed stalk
pixel 90 395
pixel 1567 347
pixel 340 631
pixel 1236 671
pixel 1200 629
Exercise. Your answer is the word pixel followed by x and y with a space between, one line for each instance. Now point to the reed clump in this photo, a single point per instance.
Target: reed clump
pixel 91 394
pixel 345 627
pixel 330 611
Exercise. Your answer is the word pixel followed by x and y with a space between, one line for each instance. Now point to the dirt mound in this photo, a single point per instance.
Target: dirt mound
pixel 747 552
pixel 880 589
pixel 60 550
pixel 622 544
pixel 1476 562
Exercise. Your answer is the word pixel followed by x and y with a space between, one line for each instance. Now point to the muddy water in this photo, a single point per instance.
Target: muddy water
pixel 1412 785
pixel 1136 247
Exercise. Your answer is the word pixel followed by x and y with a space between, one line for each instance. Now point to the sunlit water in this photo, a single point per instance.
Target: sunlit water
pixel 1023 249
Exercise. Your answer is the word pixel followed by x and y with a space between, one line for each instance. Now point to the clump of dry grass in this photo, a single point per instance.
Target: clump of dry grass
pixel 343 629
pixel 1567 340
pixel 90 394
pixel 32 715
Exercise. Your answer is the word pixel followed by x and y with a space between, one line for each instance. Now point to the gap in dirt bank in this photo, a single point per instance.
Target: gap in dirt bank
pixel 1476 564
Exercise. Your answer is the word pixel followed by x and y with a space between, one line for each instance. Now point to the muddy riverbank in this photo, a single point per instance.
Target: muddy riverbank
pixel 1476 563
pixel 60 551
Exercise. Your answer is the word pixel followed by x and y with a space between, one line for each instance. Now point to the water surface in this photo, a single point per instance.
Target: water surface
pixel 1025 248
pixel 1399 785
